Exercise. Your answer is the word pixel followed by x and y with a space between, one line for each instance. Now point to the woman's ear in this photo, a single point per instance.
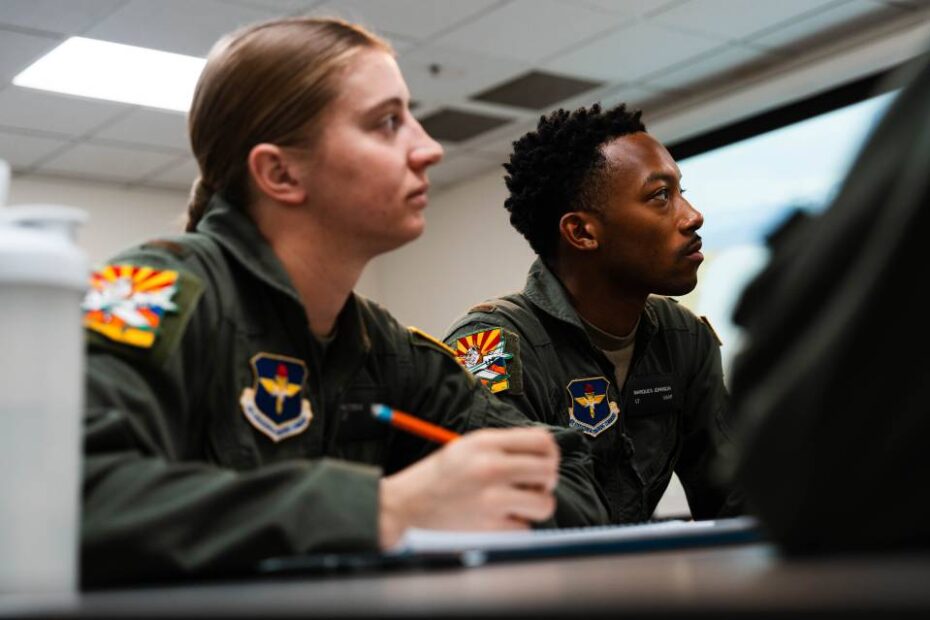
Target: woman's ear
pixel 275 173
pixel 579 230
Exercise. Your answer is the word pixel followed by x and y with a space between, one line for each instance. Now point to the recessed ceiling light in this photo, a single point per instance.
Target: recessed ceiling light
pixel 116 72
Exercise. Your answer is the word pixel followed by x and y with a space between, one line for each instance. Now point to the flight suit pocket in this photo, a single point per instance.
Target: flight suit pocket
pixel 357 435
pixel 267 416
pixel 651 420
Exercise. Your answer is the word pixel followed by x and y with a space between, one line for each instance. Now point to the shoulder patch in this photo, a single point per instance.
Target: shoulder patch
pixel 713 332
pixel 172 247
pixel 493 357
pixel 485 307
pixel 138 307
pixel 424 338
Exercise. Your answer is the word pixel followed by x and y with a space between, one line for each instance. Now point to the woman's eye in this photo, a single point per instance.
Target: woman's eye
pixel 391 123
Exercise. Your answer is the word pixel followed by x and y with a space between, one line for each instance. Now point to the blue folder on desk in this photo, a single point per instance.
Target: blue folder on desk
pixel 435 548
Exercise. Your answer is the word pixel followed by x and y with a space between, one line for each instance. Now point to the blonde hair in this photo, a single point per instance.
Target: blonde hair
pixel 266 83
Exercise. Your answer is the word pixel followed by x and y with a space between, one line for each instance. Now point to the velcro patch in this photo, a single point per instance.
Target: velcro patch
pixel 421 337
pixel 482 307
pixel 126 303
pixel 173 247
pixel 592 412
pixel 140 307
pixel 492 356
pixel 713 332
pixel 274 404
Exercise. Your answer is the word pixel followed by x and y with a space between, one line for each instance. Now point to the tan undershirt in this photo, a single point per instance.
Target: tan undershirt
pixel 617 349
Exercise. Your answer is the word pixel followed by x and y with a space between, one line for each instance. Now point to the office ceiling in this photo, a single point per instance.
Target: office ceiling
pixel 481 71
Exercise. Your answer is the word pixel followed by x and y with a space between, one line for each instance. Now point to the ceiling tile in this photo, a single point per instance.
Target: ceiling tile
pixel 24 108
pixel 636 8
pixel 500 147
pixel 437 73
pixel 841 16
pixel 18 51
pixel 289 7
pixel 452 125
pixel 416 19
pixel 734 19
pixel 68 18
pixel 461 167
pixel 515 29
pixel 106 162
pixel 536 90
pixel 176 25
pixel 634 96
pixel 697 70
pixel 149 127
pixel 630 53
pixel 179 176
pixel 906 4
pixel 22 151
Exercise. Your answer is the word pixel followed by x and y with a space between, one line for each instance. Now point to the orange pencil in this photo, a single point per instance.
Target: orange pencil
pixel 414 425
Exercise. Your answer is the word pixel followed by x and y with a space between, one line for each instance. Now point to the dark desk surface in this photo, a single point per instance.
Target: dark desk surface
pixel 726 580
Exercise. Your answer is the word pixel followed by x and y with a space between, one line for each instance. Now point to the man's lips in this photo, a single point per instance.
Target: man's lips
pixel 693 249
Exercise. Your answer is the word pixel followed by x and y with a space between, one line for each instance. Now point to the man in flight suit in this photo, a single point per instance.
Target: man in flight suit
pixel 587 344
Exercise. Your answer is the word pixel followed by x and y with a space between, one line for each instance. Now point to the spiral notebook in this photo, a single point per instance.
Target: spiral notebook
pixel 480 547
pixel 428 549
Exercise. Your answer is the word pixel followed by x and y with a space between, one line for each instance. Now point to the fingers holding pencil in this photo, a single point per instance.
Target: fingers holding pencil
pixel 486 479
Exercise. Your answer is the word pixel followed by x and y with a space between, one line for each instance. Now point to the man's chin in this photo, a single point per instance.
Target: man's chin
pixel 678 289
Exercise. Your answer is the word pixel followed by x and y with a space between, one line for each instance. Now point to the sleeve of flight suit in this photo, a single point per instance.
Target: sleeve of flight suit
pixel 529 389
pixel 528 398
pixel 151 509
pixel 444 391
pixel 706 433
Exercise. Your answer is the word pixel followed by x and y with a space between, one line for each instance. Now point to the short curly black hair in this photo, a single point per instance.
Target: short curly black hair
pixel 556 169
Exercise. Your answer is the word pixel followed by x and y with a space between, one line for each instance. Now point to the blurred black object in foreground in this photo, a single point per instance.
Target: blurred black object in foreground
pixel 832 391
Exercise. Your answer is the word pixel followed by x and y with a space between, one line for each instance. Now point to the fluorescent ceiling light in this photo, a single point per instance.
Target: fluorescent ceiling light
pixel 116 72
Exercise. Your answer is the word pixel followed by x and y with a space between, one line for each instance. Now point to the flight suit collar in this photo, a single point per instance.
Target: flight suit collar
pixel 546 292
pixel 235 231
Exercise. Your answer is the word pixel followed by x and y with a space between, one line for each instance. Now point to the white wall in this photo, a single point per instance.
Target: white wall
pixel 468 253
pixel 120 216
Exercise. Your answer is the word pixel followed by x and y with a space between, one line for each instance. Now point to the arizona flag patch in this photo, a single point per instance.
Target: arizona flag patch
pixel 127 303
pixel 273 404
pixel 484 355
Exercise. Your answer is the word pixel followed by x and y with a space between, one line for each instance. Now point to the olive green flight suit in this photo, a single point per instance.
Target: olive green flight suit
pixel 672 411
pixel 177 479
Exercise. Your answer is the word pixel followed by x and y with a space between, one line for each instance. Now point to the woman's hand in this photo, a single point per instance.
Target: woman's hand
pixel 491 479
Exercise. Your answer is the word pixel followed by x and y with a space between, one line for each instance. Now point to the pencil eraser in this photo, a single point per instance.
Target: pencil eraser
pixel 382 412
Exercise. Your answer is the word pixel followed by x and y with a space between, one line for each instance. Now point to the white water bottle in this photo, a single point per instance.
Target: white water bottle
pixel 43 275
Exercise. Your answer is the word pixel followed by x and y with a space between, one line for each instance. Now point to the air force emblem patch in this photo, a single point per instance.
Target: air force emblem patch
pixel 591 412
pixel 483 354
pixel 273 405
pixel 127 303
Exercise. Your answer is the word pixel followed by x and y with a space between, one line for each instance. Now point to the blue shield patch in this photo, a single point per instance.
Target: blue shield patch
pixel 591 412
pixel 273 405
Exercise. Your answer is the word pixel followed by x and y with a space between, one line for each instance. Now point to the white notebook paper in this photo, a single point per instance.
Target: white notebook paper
pixel 664 534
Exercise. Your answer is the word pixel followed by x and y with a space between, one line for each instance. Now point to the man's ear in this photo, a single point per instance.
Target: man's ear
pixel 274 173
pixel 579 230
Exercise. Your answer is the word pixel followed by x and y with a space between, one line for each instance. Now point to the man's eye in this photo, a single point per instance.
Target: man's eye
pixel 662 194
